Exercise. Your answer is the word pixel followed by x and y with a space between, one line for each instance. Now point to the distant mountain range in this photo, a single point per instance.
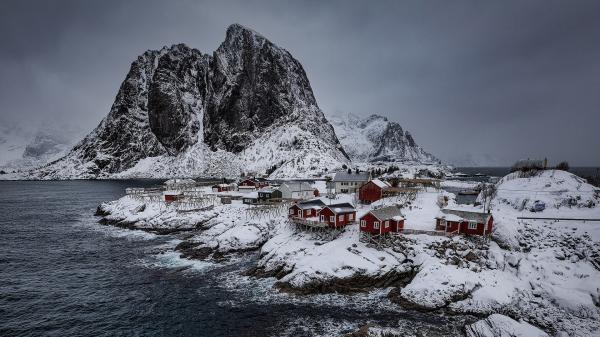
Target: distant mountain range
pixel 376 139
pixel 247 107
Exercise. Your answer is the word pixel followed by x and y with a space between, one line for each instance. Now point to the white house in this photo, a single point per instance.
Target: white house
pixel 344 182
pixel 296 190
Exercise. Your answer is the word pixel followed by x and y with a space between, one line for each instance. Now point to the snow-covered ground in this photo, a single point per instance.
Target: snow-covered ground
pixel 542 274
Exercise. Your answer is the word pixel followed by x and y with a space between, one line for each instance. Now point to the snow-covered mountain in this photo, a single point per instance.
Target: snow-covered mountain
pixel 247 107
pixel 375 139
pixel 26 149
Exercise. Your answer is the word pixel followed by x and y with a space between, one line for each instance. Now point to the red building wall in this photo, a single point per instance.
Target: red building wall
pixel 248 182
pixel 370 219
pixel 369 193
pixel 306 213
pixel 464 227
pixel 327 213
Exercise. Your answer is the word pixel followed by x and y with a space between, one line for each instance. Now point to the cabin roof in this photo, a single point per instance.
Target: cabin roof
pixel 387 213
pixel 380 183
pixel 297 186
pixel 461 215
pixel 267 190
pixel 345 176
pixel 315 203
pixel 341 208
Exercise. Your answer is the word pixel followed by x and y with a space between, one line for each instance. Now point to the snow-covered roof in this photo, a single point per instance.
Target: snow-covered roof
pixel 380 183
pixel 462 215
pixel 312 204
pixel 353 176
pixel 297 186
pixel 341 208
pixel 178 181
pixel 172 193
pixel 386 213
pixel 222 185
pixel 252 195
pixel 267 190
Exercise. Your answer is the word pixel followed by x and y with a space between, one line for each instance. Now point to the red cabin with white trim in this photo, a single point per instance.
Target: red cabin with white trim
pixel 372 191
pixel 222 188
pixel 338 215
pixel 464 222
pixel 306 209
pixel 382 221
pixel 254 182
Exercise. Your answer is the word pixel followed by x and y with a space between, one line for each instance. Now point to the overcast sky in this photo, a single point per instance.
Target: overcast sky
pixel 508 79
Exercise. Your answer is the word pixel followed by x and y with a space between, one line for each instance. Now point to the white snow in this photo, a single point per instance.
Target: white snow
pixel 497 325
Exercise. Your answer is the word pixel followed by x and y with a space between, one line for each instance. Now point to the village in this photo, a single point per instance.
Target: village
pixel 329 206
pixel 352 232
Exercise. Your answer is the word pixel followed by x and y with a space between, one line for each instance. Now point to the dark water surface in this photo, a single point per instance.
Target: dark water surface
pixel 62 274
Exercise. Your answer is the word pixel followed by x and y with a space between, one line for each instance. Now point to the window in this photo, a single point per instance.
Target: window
pixel 376 225
pixel 344 190
pixel 351 216
pixel 291 211
pixel 363 223
pixel 341 217
pixel 332 218
pixel 472 225
pixel 322 218
pixel 386 224
pixel 443 223
pixel 300 213
pixel 309 212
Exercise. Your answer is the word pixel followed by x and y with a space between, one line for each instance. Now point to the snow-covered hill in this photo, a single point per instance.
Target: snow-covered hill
pixel 376 139
pixel 247 107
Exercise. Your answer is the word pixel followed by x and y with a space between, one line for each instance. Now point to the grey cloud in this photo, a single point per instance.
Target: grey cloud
pixel 507 78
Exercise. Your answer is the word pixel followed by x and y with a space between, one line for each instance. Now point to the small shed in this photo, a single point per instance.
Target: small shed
pixel 269 194
pixel 251 198
pixel 382 220
pixel 338 215
pixel 464 222
pixel 222 188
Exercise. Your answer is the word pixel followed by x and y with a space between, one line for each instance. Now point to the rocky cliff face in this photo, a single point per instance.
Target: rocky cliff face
pixel 247 107
pixel 375 138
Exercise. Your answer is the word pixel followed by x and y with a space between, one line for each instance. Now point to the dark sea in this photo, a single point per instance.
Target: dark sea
pixel 63 274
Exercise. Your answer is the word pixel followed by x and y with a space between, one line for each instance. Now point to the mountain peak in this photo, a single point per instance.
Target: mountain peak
pixel 248 106
pixel 376 139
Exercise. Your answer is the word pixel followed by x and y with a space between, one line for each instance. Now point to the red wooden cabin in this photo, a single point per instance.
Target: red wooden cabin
pixel 382 220
pixel 222 188
pixel 372 191
pixel 254 182
pixel 464 222
pixel 306 209
pixel 172 196
pixel 338 215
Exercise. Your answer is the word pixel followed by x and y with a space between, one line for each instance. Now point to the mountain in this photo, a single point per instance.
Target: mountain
pixel 376 139
pixel 26 149
pixel 248 107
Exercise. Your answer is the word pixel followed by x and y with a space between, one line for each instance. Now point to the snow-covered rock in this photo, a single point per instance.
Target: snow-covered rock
pixel 497 325
pixel 376 139
pixel 248 107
